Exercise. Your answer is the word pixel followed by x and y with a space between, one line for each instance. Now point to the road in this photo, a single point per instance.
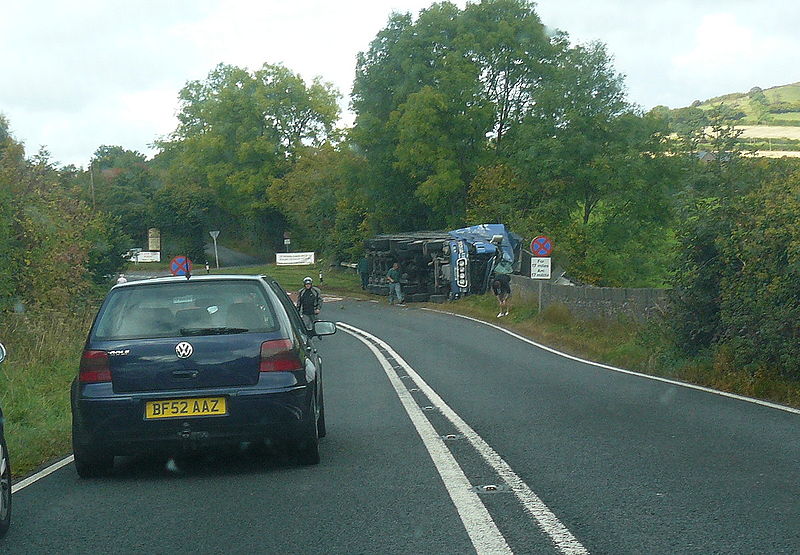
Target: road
pixel 449 436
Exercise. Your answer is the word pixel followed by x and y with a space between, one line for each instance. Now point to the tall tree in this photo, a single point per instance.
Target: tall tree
pixel 435 98
pixel 239 130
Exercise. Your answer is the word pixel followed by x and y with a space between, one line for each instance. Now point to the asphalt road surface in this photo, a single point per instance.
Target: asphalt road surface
pixel 449 436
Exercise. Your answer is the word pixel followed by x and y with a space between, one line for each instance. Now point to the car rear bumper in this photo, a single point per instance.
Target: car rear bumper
pixel 117 425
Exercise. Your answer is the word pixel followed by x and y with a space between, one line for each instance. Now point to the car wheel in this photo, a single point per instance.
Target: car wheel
pixel 92 465
pixel 306 449
pixel 5 489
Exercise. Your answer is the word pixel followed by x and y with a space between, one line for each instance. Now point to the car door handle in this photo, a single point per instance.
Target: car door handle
pixel 185 374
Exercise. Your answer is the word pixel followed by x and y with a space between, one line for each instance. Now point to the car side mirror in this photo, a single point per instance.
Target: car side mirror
pixel 3 351
pixel 324 328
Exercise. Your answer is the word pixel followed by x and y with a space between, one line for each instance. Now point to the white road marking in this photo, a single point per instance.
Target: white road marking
pixel 622 370
pixel 563 539
pixel 41 474
pixel 482 530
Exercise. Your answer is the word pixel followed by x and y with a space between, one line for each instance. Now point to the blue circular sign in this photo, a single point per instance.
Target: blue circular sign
pixel 541 246
pixel 180 266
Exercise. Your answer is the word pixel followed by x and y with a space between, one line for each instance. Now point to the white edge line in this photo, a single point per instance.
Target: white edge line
pixel 482 530
pixel 548 522
pixel 622 370
pixel 41 474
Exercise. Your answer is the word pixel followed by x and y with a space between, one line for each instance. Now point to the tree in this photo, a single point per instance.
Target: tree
pixel 237 132
pixel 323 201
pixel 120 183
pixel 435 99
pixel 596 169
pixel 52 243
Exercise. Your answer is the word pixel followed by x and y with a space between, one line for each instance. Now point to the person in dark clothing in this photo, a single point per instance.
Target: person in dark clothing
pixel 501 287
pixel 309 302
pixel 363 271
pixel 395 289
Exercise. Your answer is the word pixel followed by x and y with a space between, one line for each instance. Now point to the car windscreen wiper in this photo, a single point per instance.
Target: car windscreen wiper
pixel 212 331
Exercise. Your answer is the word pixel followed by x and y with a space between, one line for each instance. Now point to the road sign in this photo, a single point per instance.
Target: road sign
pixel 541 246
pixel 180 266
pixel 540 267
pixel 287 241
pixel 214 235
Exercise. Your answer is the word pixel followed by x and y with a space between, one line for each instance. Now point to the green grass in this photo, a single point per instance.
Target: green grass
pixel 743 102
pixel 785 93
pixel 43 355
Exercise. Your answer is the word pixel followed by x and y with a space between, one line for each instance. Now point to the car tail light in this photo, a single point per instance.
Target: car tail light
pixel 279 355
pixel 94 367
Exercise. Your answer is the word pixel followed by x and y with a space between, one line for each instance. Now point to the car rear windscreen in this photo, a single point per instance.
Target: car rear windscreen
pixel 185 309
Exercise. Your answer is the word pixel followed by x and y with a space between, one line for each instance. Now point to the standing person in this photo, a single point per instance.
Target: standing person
pixel 309 302
pixel 208 268
pixel 363 271
pixel 393 277
pixel 501 287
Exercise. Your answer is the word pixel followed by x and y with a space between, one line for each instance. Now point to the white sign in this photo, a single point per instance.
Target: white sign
pixel 294 258
pixel 287 241
pixel 540 267
pixel 147 256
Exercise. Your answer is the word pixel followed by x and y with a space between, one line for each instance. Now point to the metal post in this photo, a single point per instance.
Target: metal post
pixel 214 234
pixel 540 296
pixel 216 254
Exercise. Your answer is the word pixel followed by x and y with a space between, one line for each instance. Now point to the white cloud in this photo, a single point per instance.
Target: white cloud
pixel 719 43
pixel 80 74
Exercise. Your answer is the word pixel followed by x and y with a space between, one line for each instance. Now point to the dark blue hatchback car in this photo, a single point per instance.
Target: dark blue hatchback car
pixel 172 364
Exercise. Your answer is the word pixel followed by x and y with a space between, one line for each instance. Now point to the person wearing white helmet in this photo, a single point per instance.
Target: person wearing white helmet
pixel 309 302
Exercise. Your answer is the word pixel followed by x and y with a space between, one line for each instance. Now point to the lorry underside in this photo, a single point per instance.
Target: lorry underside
pixel 437 265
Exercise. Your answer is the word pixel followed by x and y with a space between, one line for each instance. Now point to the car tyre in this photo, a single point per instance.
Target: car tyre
pixel 306 449
pixel 5 488
pixel 92 465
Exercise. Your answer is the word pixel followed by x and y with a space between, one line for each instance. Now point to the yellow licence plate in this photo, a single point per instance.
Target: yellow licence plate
pixel 176 408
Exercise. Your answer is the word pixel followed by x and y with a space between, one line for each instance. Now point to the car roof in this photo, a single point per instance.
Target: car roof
pixel 182 279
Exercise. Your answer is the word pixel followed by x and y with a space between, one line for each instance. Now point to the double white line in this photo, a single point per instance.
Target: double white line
pixel 482 530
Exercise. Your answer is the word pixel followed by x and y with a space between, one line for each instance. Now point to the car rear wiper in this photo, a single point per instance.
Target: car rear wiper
pixel 212 331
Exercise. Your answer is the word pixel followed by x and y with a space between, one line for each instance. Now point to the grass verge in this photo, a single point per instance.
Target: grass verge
pixel 43 355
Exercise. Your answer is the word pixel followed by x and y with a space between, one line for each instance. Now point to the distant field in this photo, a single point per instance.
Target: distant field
pixel 770 131
pixel 744 102
pixel 778 153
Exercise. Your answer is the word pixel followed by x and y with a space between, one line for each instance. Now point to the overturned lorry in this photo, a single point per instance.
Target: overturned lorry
pixel 440 265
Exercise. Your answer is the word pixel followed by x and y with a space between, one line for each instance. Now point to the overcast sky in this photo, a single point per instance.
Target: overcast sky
pixel 78 74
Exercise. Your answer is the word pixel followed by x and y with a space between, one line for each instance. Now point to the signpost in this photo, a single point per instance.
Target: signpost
pixel 214 235
pixel 541 248
pixel 180 266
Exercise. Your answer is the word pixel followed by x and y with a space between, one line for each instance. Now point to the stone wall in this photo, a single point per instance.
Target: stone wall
pixel 593 302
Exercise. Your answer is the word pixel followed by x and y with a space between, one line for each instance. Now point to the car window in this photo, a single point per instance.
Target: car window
pixel 291 309
pixel 180 309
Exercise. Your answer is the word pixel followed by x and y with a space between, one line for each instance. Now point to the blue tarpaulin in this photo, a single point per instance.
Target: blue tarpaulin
pixel 481 236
